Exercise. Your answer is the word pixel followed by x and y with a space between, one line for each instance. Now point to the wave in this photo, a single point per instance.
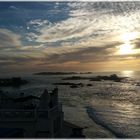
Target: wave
pixel 92 114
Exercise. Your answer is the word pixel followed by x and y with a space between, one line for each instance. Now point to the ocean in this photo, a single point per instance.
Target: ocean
pixel 105 108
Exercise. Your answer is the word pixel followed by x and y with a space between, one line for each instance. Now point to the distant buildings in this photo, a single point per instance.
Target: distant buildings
pixel 31 116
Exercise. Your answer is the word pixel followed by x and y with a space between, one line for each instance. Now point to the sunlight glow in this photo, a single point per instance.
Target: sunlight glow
pixel 126 49
pixel 128 73
pixel 127 37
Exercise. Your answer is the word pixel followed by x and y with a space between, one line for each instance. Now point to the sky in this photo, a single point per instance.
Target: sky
pixel 69 36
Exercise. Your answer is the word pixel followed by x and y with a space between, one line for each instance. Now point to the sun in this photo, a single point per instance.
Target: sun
pixel 126 49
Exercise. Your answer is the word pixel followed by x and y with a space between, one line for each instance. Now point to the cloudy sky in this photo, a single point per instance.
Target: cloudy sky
pixel 69 36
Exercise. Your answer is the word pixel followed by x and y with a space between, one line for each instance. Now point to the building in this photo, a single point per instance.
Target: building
pixel 31 116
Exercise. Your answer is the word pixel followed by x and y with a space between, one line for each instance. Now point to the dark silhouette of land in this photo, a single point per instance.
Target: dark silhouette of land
pixel 61 73
pixel 72 85
pixel 14 82
pixel 112 77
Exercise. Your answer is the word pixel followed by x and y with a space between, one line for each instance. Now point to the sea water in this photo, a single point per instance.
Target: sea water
pixel 115 106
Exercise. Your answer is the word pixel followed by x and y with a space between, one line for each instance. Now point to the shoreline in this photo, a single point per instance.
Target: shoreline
pixel 91 129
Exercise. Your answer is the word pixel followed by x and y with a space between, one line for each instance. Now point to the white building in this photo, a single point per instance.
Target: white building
pixel 21 117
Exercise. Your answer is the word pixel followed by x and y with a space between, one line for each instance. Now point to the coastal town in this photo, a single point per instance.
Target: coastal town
pixel 34 117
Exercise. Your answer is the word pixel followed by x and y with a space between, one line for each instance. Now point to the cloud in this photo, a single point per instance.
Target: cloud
pixel 87 33
pixel 9 39
pixel 136 43
pixel 13 7
pixel 79 54
pixel 38 22
pixel 31 36
pixel 90 20
pixel 64 31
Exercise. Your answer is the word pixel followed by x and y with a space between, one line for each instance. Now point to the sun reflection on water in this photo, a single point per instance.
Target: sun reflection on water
pixel 128 73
